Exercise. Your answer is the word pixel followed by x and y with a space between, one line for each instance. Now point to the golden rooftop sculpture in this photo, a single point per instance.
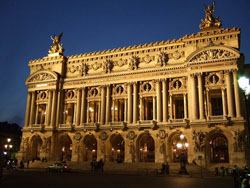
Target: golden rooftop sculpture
pixel 210 21
pixel 56 47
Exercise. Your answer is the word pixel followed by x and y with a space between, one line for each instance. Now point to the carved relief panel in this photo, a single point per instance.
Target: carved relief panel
pixel 70 95
pixel 177 84
pixel 94 93
pixel 213 79
pixel 119 91
pixel 147 88
pixel 42 96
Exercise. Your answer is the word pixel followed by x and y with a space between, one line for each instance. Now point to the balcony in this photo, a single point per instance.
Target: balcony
pixel 38 127
pixel 147 124
pixel 66 126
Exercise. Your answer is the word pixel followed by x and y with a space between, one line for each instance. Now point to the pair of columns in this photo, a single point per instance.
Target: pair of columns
pixel 31 116
pixel 227 96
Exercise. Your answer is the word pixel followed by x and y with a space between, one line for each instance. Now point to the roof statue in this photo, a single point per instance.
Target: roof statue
pixel 56 47
pixel 210 21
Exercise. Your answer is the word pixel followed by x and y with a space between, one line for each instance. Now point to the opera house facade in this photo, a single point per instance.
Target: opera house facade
pixel 154 102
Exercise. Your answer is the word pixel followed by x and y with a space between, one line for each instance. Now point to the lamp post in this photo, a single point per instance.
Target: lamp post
pixel 245 86
pixel 182 145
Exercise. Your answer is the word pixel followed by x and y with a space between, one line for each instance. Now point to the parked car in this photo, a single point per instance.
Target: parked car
pixel 58 167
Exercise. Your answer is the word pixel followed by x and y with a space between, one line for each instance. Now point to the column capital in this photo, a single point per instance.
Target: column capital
pixel 199 74
pixel 227 72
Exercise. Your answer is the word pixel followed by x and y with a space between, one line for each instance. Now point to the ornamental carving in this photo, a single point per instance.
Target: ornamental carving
pixel 84 69
pixel 93 92
pixel 214 78
pixel 70 94
pixel 42 95
pixel 199 139
pixel 107 66
pixel 178 83
pixel 73 69
pixel 133 63
pixel 212 54
pixel 238 141
pixel 103 136
pixel 121 62
pixel 147 59
pixel 77 136
pixel 41 77
pixel 162 59
pixel 162 134
pixel 176 55
pixel 131 135
pixel 95 66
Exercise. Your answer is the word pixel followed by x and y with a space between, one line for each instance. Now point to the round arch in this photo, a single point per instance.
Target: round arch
pixel 175 152
pixel 145 148
pixel 65 147
pixel 89 148
pixel 35 147
pixel 116 148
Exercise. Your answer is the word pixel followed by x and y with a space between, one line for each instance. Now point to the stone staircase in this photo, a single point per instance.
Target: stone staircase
pixel 130 168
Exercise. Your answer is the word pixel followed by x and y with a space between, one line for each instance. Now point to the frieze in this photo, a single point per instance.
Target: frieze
pixel 162 59
pixel 199 139
pixel 176 55
pixel 121 62
pixel 134 63
pixel 148 59
pixel 213 54
pixel 41 77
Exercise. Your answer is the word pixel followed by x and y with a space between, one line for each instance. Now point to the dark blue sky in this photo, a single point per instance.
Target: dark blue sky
pixel 93 25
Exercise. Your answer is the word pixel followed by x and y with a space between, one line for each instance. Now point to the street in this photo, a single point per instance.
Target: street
pixel 32 178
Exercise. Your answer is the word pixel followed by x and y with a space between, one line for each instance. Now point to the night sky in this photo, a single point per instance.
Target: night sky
pixel 94 25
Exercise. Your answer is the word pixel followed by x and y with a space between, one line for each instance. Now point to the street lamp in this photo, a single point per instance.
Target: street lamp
pixel 182 145
pixel 245 86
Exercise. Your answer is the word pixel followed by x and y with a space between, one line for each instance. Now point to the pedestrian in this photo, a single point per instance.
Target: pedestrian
pixel 92 165
pixel 235 173
pixel 21 164
pixel 28 163
pixel 101 164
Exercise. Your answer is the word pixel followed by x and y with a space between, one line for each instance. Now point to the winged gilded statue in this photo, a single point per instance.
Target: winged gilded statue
pixel 210 21
pixel 56 46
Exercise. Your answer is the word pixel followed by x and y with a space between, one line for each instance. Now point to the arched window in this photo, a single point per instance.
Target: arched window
pixel 219 149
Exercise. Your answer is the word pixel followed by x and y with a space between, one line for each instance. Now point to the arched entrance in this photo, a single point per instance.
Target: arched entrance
pixel 146 148
pixel 219 149
pixel 66 148
pixel 178 146
pixel 89 148
pixel 36 146
pixel 117 148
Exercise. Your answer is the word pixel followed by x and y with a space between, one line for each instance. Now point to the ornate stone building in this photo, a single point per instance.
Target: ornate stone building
pixel 132 104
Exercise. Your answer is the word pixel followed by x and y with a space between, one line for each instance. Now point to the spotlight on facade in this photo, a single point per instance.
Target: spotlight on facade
pixel 244 85
pixel 179 145
pixel 182 136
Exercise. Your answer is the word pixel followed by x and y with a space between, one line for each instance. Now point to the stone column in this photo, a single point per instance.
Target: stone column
pixel 194 97
pixel 78 106
pixel 36 119
pixel 125 110
pixel 32 109
pixel 223 102
pixel 27 113
pixel 87 111
pixel 185 105
pixel 208 104
pixel 159 104
pixel 229 94
pixel 48 111
pixel 141 108
pixel 154 108
pixel 171 106
pixel 99 112
pixel 201 100
pixel 59 107
pixel 108 105
pixel 135 110
pixel 113 110
pixel 130 103
pixel 53 112
pixel 165 102
pixel 83 107
pixel 103 104
pixel 236 94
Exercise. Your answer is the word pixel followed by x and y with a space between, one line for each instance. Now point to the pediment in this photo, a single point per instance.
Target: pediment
pixel 42 76
pixel 213 53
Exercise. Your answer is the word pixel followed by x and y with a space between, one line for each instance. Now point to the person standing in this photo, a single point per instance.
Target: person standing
pixel 28 163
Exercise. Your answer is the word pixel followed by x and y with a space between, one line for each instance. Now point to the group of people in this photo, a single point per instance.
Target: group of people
pixel 96 166
pixel 241 178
